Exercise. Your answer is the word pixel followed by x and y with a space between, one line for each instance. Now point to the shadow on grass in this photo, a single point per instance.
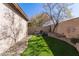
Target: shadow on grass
pixel 60 48
pixel 48 46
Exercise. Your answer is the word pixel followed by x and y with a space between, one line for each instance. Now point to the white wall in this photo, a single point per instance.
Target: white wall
pixel 10 24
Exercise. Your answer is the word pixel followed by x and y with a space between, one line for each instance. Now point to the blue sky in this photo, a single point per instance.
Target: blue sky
pixel 32 9
pixel 75 10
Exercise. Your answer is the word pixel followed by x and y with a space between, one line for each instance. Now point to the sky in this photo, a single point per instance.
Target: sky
pixel 75 10
pixel 32 9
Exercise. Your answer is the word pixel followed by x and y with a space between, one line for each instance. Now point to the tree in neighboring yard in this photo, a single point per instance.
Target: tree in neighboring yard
pixel 57 12
pixel 38 20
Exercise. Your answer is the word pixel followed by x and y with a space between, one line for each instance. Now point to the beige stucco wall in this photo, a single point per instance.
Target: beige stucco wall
pixel 32 30
pixel 12 27
pixel 69 28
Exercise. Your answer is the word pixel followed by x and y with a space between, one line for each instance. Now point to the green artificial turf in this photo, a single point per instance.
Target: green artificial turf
pixel 48 46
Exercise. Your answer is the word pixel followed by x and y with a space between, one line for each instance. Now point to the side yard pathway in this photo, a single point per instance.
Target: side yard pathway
pixel 16 49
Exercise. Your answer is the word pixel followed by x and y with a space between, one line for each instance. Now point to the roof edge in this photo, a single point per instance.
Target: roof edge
pixel 17 8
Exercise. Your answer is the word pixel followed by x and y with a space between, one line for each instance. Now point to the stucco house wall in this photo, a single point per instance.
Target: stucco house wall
pixel 69 28
pixel 13 27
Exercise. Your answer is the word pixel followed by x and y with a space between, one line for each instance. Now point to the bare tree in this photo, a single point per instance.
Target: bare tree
pixel 57 12
pixel 38 20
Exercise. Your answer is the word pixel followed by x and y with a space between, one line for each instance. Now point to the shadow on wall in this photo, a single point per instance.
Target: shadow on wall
pixel 60 48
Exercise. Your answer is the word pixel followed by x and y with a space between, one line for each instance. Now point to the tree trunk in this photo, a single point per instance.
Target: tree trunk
pixel 50 28
pixel 55 27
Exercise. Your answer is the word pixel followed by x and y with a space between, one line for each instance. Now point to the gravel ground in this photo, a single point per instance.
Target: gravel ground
pixel 16 49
